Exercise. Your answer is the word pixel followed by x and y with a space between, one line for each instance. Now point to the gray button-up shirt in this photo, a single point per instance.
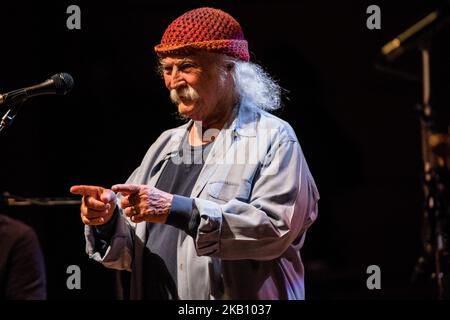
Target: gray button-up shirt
pixel 255 197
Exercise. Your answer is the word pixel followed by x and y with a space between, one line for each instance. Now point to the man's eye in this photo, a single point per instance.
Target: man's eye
pixel 186 66
pixel 167 69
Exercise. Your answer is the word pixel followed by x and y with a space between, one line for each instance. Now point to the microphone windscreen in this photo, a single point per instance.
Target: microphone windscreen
pixel 63 82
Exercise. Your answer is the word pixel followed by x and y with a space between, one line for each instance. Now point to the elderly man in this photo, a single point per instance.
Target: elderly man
pixel 219 207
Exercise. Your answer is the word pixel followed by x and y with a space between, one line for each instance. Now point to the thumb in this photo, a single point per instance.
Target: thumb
pixel 107 196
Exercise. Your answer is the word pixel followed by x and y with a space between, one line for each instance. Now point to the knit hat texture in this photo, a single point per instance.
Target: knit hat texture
pixel 206 29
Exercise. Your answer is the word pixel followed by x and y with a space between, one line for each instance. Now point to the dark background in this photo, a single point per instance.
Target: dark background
pixel 358 126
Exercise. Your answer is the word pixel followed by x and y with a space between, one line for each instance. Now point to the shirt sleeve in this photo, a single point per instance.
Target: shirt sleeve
pixel 183 216
pixel 112 243
pixel 104 233
pixel 282 205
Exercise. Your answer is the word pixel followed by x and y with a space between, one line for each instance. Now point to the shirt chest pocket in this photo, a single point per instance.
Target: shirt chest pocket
pixel 223 191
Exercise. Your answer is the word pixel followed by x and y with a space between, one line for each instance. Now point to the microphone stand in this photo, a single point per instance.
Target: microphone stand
pixel 435 155
pixel 9 116
pixel 435 215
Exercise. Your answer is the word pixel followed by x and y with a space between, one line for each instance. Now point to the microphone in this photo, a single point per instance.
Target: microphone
pixel 418 33
pixel 60 84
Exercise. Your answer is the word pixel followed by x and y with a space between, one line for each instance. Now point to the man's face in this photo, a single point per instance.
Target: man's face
pixel 199 87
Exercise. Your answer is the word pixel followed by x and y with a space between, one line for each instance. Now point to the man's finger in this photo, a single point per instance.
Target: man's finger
pixel 107 196
pixel 92 214
pixel 128 201
pixel 130 211
pixel 93 222
pixel 84 190
pixel 137 219
pixel 126 188
pixel 95 204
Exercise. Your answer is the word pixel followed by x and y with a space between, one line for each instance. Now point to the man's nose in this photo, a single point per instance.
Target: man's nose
pixel 177 79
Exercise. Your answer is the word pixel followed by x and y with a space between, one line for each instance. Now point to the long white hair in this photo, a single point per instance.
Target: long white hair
pixel 255 85
pixel 251 84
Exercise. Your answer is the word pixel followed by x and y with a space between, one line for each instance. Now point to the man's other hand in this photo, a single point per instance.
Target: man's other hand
pixel 144 203
pixel 97 205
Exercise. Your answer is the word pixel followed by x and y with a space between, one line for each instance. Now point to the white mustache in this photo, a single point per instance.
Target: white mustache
pixel 183 93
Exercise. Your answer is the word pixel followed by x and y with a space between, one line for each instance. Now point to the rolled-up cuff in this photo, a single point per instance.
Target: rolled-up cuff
pixel 106 231
pixel 209 227
pixel 182 215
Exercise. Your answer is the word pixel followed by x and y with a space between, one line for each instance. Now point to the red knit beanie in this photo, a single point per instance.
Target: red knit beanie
pixel 204 29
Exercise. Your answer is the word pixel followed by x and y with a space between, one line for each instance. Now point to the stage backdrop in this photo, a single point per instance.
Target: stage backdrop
pixel 357 125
